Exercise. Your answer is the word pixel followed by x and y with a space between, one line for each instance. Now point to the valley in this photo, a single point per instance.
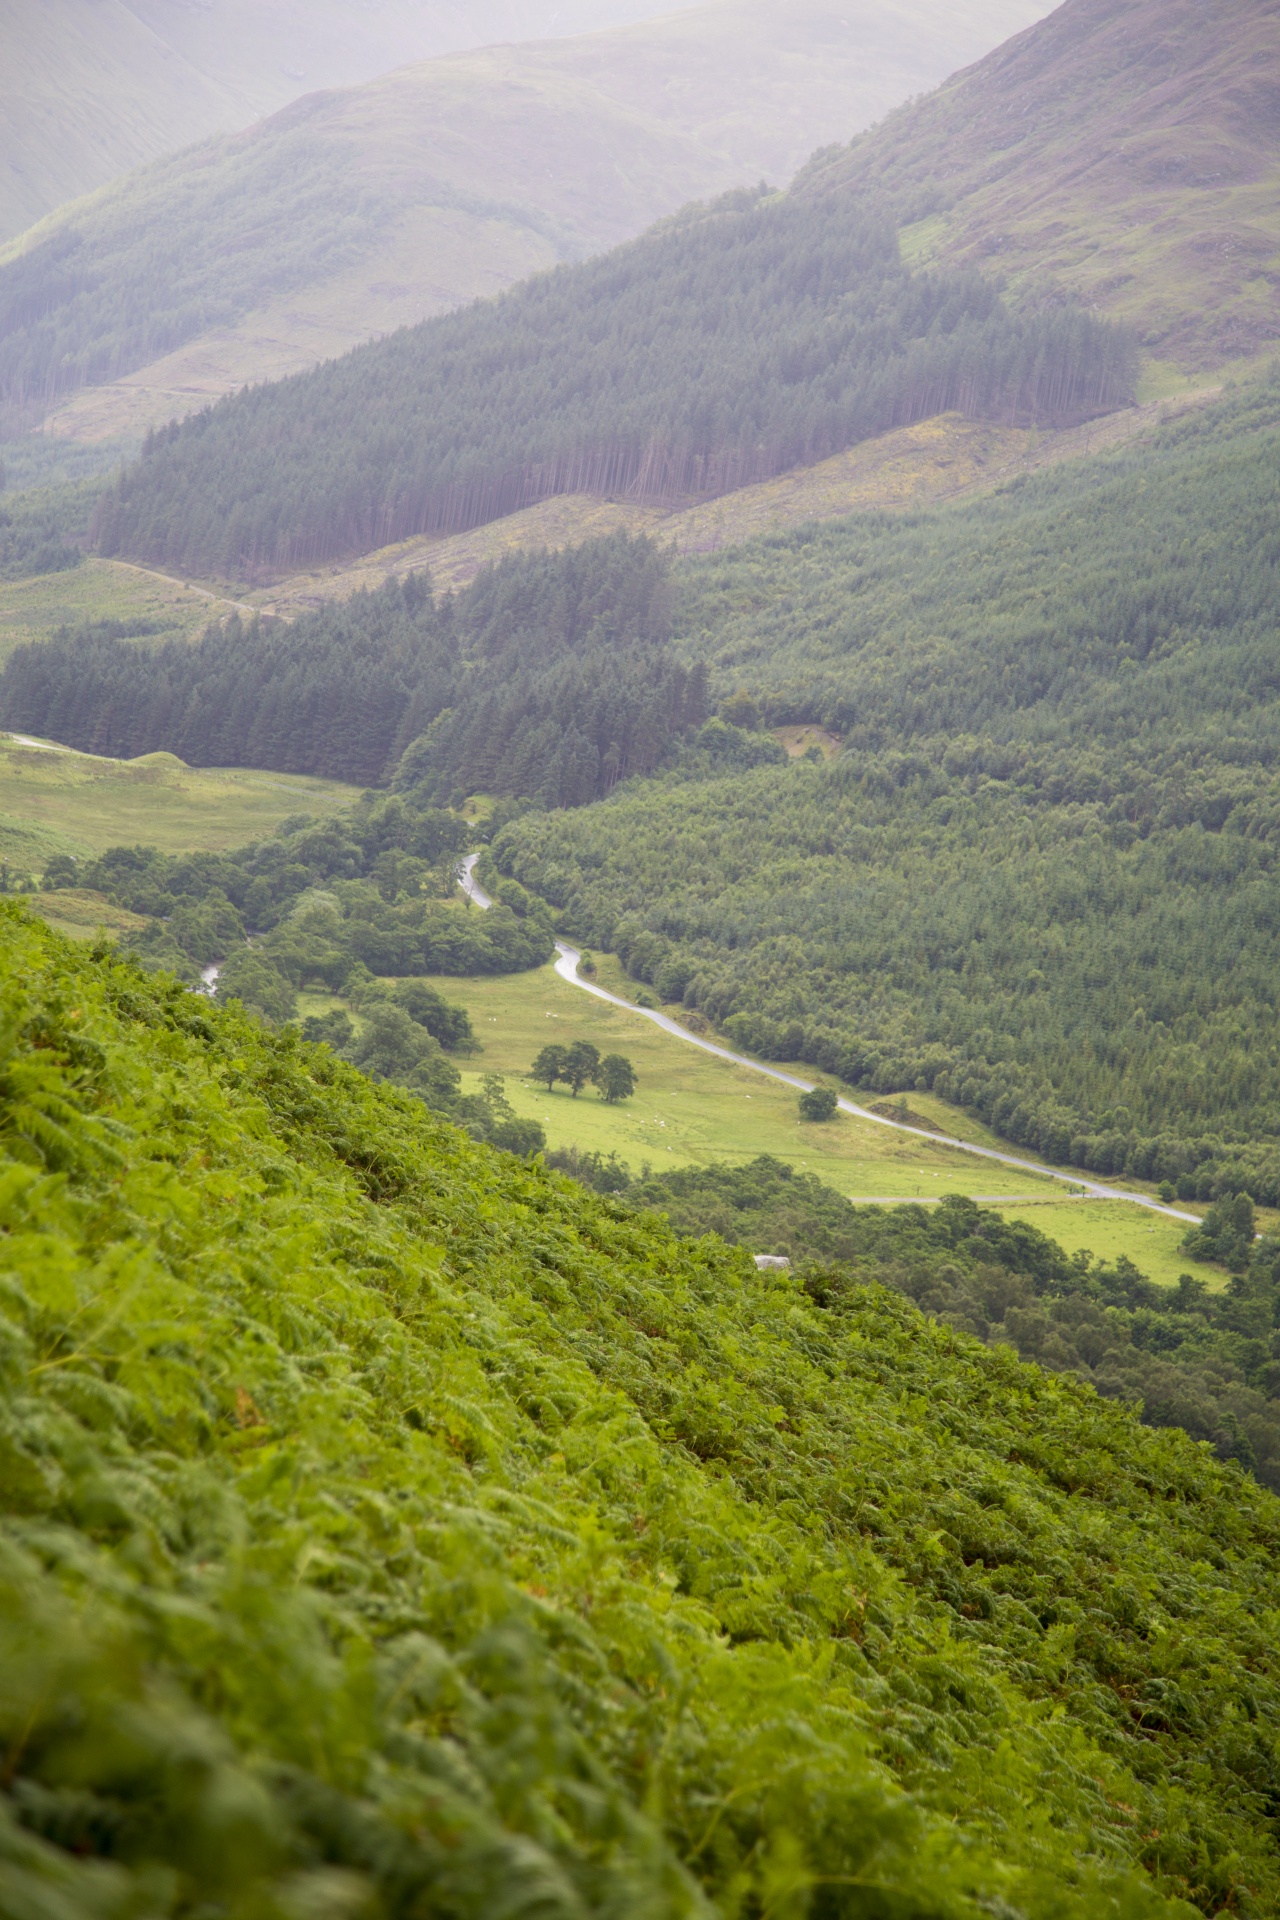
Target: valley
pixel 692 1110
pixel 639 894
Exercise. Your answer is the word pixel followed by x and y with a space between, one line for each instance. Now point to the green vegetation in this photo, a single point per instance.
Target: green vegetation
pixel 55 804
pixel 548 677
pixel 797 327
pixel 580 1064
pixel 405 1032
pixel 1185 1357
pixel 1041 879
pixel 692 1108
pixel 1226 1234
pixel 1018 159
pixel 410 1525
pixel 334 901
pixel 820 1104
pixel 39 528
pixel 38 606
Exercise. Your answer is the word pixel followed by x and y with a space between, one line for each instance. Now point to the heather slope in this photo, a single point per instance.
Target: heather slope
pixel 1127 150
pixel 413 1529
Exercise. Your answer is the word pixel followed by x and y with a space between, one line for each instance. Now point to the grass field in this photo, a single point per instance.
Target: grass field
pixel 1112 1228
pixel 81 913
pixel 33 609
pixel 58 802
pixel 691 1109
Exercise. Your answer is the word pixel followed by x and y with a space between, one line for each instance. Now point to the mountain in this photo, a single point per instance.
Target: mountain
pixel 1127 151
pixel 727 345
pixel 387 1525
pixel 92 88
pixel 364 209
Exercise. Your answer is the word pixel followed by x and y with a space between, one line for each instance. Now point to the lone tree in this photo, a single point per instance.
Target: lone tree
pixel 616 1078
pixel 549 1066
pixel 581 1063
pixel 819 1105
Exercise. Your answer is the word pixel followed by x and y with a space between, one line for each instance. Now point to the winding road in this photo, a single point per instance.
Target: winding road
pixel 567 959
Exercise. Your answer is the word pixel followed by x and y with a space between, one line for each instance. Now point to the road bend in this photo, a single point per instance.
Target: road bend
pixel 567 959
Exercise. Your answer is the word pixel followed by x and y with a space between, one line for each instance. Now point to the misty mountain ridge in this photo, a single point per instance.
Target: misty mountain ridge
pixel 360 210
pixel 93 88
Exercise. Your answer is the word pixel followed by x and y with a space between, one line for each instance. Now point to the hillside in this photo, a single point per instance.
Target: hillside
pixel 365 209
pixel 1041 878
pixel 550 675
pixel 1126 150
pixel 408 1526
pixel 800 331
pixel 90 89
pixel 908 469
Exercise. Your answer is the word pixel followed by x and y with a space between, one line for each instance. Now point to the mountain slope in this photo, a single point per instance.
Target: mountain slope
pixel 1127 150
pixel 1043 877
pixel 387 1525
pixel 364 209
pixel 92 88
pixel 727 345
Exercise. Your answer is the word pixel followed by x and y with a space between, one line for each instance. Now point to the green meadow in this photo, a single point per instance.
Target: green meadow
pixel 692 1109
pixel 55 801
pixel 165 609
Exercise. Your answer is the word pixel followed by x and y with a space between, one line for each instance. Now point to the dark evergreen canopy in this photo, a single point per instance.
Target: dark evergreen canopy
pixel 726 345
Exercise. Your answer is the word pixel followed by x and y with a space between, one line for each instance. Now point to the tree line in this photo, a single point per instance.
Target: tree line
pixel 725 346
pixel 549 677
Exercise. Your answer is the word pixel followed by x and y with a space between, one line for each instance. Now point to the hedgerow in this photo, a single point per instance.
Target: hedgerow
pixel 390 1526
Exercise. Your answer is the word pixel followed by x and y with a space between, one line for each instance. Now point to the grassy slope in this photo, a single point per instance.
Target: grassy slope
pixel 75 803
pixel 1126 149
pixel 400 1517
pixel 92 88
pixel 143 99
pixel 427 173
pixel 34 608
pixel 693 1110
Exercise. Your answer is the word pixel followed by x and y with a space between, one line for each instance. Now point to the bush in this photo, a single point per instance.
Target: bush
pixel 821 1104
pixel 258 986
